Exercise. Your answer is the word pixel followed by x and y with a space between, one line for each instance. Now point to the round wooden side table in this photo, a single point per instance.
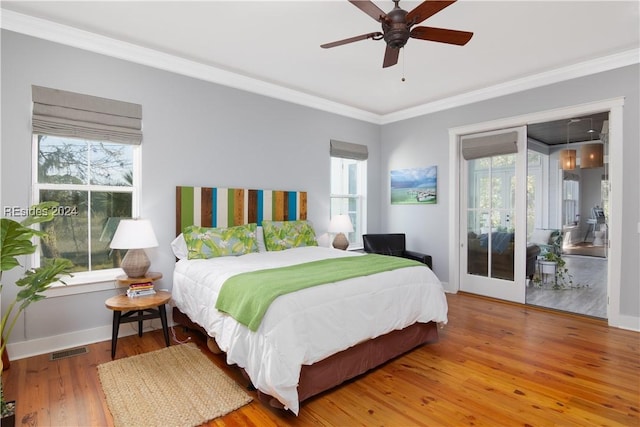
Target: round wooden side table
pixel 136 309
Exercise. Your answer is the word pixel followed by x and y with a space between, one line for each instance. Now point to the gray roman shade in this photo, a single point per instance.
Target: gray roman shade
pixel 487 146
pixel 568 176
pixel 69 114
pixel 348 150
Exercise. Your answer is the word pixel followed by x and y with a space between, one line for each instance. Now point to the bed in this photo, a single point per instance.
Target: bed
pixel 300 347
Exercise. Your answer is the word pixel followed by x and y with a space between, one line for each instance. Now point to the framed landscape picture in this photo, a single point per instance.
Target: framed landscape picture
pixel 414 186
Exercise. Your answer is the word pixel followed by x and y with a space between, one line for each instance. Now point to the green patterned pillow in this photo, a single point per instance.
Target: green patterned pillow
pixel 205 243
pixel 280 235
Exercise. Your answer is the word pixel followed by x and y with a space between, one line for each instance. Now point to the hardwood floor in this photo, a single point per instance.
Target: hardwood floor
pixel 496 364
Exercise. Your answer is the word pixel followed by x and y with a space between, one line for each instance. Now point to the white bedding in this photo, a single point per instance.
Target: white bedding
pixel 308 325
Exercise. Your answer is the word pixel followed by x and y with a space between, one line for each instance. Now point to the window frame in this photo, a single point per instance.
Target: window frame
pixel 360 225
pixel 93 278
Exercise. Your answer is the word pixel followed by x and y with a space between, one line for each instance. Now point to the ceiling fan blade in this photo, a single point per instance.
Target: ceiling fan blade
pixel 390 57
pixel 441 35
pixel 426 9
pixel 369 8
pixel 375 36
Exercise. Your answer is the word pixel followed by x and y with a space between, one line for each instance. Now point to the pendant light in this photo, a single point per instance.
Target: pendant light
pixel 592 155
pixel 567 156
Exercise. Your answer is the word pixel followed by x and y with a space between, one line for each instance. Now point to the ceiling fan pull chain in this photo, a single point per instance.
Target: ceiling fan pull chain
pixel 403 79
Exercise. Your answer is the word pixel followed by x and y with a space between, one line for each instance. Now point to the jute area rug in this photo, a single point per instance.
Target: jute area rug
pixel 175 386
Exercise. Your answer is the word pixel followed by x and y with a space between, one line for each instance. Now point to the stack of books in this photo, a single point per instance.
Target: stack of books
pixel 140 289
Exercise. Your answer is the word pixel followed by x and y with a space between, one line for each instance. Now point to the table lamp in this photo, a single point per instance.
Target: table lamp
pixel 134 235
pixel 340 224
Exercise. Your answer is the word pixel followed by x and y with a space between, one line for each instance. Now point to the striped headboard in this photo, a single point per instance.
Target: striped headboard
pixel 226 207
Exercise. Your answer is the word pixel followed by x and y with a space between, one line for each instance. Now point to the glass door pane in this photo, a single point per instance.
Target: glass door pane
pixel 491 217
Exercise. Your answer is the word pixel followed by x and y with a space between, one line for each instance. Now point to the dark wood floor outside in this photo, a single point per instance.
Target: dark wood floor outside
pixel 496 364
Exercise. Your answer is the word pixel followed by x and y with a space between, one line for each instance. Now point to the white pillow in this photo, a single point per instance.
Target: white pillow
pixel 179 247
pixel 260 237
pixel 540 237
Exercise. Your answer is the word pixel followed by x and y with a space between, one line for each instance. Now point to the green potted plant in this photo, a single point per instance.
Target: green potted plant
pixel 563 279
pixel 16 241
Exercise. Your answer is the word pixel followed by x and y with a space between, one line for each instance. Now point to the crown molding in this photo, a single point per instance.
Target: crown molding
pixel 92 42
pixel 70 36
pixel 606 63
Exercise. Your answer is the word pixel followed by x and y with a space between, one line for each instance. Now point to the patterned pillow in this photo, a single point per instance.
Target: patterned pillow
pixel 280 235
pixel 205 243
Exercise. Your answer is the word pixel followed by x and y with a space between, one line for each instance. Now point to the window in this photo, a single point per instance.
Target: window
pixel 348 186
pixel 571 199
pixel 535 201
pixel 493 182
pixel 86 157
pixel 604 190
pixel 94 183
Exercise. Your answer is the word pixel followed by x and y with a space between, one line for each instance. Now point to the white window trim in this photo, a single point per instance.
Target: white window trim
pixel 85 281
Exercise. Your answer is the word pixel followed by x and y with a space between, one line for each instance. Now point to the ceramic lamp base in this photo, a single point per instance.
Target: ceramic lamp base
pixel 340 241
pixel 135 263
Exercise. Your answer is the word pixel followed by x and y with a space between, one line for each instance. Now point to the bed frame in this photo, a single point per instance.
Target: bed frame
pixel 221 207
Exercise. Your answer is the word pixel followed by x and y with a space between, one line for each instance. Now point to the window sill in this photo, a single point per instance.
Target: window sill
pixel 85 282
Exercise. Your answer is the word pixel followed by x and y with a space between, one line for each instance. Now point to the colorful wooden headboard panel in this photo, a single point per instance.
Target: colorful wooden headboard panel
pixel 226 207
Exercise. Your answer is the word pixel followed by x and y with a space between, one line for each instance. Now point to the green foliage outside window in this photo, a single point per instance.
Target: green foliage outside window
pixel 93 183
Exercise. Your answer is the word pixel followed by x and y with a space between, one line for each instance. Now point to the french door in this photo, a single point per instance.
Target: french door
pixel 493 214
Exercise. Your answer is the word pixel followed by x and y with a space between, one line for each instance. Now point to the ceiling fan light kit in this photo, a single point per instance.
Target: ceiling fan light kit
pixel 397 28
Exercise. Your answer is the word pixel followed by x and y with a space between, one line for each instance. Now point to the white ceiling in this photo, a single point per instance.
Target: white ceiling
pixel 275 46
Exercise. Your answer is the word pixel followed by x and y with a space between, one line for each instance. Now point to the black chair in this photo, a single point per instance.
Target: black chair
pixel 393 244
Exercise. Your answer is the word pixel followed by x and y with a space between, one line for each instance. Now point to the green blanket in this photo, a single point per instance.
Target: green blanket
pixel 247 296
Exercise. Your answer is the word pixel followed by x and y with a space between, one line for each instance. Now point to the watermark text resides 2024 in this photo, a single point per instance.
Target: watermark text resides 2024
pixel 18 211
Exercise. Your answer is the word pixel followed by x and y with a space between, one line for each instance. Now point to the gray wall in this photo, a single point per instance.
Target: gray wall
pixel 195 133
pixel 199 133
pixel 424 141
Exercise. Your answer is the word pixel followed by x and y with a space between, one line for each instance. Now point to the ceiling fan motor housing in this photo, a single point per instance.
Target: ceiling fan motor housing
pixel 395 28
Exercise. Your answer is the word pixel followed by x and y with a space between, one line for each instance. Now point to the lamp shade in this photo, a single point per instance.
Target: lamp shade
pixel 340 224
pixel 568 159
pixel 591 156
pixel 134 234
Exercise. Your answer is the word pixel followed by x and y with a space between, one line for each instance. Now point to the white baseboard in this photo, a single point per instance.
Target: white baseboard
pixel 35 347
pixel 627 322
pixel 445 286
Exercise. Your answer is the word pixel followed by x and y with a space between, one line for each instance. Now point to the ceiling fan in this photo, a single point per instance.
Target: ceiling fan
pixel 396 27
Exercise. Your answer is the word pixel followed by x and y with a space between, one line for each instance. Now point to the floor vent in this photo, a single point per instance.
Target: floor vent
pixel 68 353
